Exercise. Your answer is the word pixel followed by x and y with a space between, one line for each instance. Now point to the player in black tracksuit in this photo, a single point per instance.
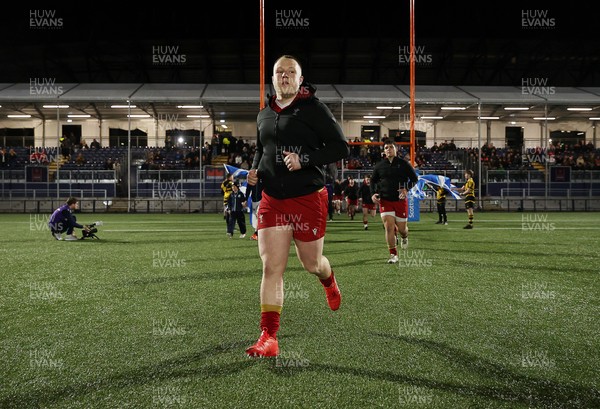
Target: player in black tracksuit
pixel 368 207
pixel 236 206
pixel 391 180
pixel 306 128
pixel 351 194
pixel 297 136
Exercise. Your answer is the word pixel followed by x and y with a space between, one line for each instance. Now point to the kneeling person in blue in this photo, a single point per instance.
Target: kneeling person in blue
pixel 236 205
pixel 63 220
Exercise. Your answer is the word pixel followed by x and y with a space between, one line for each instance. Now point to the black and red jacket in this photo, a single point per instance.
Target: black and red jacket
pixel 388 177
pixel 306 127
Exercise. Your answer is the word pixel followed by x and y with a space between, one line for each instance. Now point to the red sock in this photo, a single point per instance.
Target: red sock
pixel 327 281
pixel 270 321
pixel 394 251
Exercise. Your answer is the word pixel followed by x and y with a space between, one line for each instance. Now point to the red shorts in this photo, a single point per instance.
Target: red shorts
pixel 397 209
pixel 337 197
pixel 306 215
pixel 352 202
pixel 369 206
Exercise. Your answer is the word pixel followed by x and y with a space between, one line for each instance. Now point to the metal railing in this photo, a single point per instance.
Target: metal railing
pixel 16 194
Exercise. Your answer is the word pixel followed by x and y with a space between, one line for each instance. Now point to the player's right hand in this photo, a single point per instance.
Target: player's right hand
pixel 252 177
pixel 375 198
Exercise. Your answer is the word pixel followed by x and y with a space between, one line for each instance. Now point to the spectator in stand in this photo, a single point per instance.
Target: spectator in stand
pixel 239 145
pixel 178 155
pixel 80 160
pixel 65 145
pixel 12 156
pixel 95 144
pixel 238 160
pixel 226 143
pixel 109 164
pixel 356 148
pixel 84 145
pixel 168 143
pixel 189 159
pixel 3 156
pixel 216 145
pixel 38 156
pixel 117 168
pixel 207 153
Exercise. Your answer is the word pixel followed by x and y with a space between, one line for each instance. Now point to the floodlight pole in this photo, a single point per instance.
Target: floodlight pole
pixel 128 156
pixel 200 157
pixel 545 155
pixel 479 172
pixel 58 149
pixel 412 82
pixel 262 53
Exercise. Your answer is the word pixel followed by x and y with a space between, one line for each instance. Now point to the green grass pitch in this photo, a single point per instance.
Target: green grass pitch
pixel 158 312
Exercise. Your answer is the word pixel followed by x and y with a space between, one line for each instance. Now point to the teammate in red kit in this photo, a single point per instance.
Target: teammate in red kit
pixel 338 195
pixel 351 194
pixel 368 207
pixel 297 135
pixel 392 178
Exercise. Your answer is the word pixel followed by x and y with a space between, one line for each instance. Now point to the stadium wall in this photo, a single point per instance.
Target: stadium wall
pixel 215 205
pixel 464 133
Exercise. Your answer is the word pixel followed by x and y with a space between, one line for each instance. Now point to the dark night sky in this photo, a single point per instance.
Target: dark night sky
pixel 114 43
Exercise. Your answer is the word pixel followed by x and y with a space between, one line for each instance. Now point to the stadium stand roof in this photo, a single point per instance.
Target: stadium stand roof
pixel 241 101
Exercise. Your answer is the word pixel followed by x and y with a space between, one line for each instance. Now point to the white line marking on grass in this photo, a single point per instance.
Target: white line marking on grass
pixel 534 230
pixel 169 222
pixel 158 230
pixel 554 220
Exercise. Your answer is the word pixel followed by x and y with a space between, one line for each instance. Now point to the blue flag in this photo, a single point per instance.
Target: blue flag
pixel 433 181
pixel 237 172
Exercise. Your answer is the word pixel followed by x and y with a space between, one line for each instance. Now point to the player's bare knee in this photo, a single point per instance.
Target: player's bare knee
pixel 271 271
pixel 312 266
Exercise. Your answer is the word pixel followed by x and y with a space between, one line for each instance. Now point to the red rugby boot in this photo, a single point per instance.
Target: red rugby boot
pixel 334 296
pixel 266 345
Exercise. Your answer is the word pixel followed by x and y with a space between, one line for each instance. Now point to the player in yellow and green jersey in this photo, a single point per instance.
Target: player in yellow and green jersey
pixel 441 205
pixel 468 191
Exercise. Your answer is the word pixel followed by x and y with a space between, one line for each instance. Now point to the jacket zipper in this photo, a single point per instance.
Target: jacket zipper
pixel 277 143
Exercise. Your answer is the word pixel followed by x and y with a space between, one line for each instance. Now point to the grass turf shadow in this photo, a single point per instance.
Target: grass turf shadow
pixel 513 387
pixel 177 367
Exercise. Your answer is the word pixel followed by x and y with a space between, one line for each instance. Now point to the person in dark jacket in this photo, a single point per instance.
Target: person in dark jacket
pixel 236 207
pixel 368 207
pixel 392 178
pixel 297 136
pixel 351 194
pixel 63 220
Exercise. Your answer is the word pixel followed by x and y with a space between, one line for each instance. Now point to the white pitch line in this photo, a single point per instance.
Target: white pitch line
pixel 534 230
pixel 158 230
